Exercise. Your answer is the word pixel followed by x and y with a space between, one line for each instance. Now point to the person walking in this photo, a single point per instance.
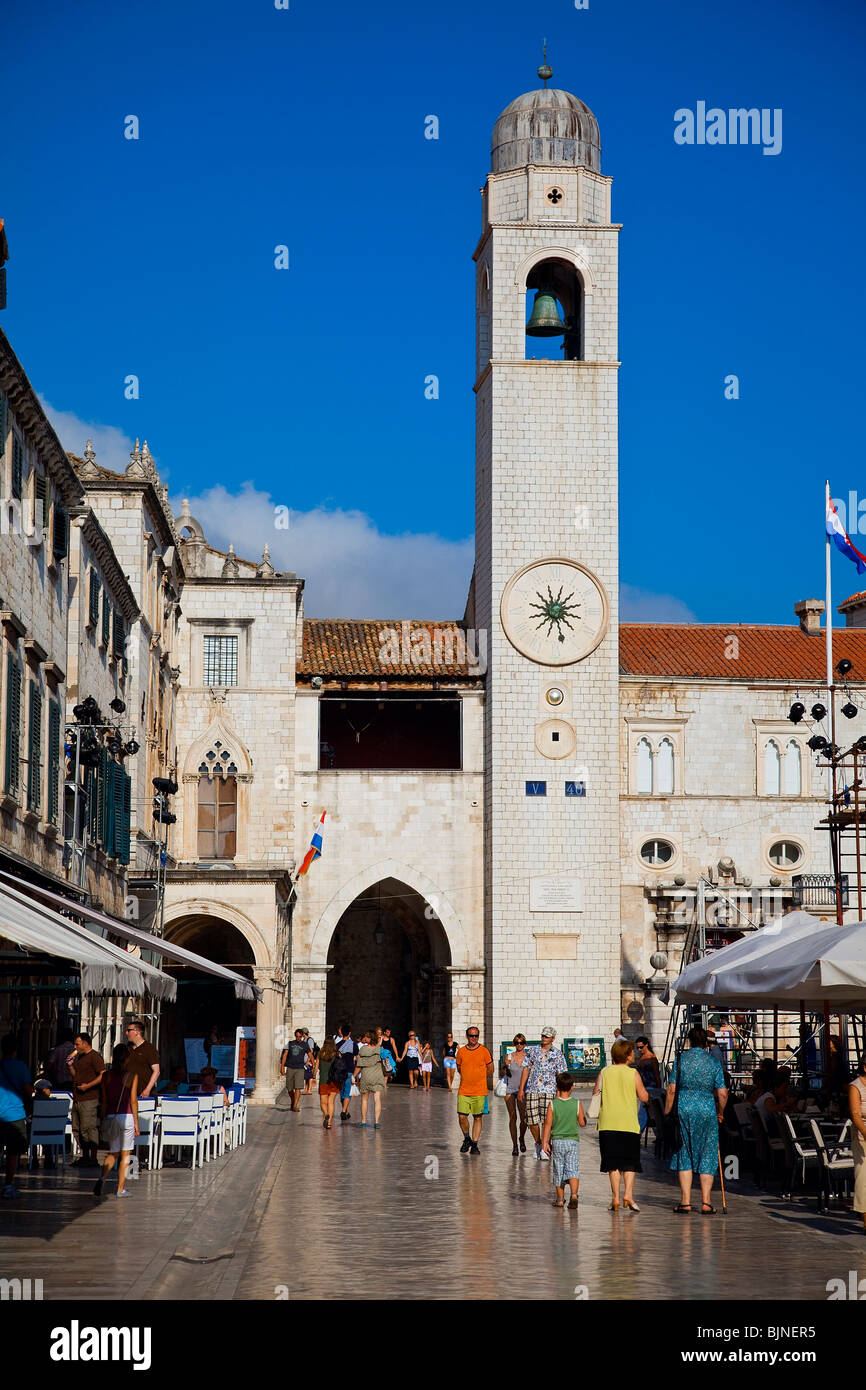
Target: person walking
pixel 309 1064
pixel 370 1078
pixel 700 1107
pixel 647 1064
pixel 388 1047
pixel 538 1084
pixel 560 1139
pixel 120 1112
pixel 857 1110
pixel 618 1125
pixel 428 1061
pixel 16 1093
pixel 87 1070
pixel 347 1049
pixel 411 1054
pixel 328 1090
pixel 449 1059
pixel 292 1064
pixel 513 1069
pixel 475 1065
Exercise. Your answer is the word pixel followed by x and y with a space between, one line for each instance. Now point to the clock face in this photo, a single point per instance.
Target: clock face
pixel 554 611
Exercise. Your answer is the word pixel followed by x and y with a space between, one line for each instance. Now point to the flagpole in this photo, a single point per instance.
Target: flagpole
pixel 828 623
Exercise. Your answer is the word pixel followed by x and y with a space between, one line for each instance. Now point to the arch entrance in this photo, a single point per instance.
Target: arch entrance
pixel 390 956
pixel 206 1007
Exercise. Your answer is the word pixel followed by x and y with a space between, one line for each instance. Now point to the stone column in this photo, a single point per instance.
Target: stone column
pixel 270 1031
pixel 467 1001
pixel 309 997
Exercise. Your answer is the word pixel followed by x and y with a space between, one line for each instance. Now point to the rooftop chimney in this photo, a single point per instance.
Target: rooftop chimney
pixel 809 612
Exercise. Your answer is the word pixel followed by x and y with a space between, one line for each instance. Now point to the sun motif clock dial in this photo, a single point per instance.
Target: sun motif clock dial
pixel 554 612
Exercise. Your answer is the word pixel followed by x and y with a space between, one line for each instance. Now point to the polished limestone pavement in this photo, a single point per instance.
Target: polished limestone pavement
pixel 399 1212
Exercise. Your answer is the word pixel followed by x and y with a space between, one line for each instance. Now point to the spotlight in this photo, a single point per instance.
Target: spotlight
pixel 819 711
pixel 844 666
pixel 816 743
pixel 830 751
pixel 117 705
pixel 797 710
pixel 849 710
pixel 860 745
pixel 166 785
pixel 132 748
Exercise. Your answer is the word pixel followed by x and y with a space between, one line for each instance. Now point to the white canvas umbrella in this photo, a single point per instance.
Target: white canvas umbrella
pixel 794 959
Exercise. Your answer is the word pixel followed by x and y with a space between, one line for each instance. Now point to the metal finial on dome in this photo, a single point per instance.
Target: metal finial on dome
pixel 545 72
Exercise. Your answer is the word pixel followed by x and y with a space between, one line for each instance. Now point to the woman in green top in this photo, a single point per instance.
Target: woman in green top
pixel 560 1137
pixel 618 1125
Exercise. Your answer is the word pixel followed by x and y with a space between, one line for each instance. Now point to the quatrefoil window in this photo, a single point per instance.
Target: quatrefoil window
pixel 218 762
pixel 555 195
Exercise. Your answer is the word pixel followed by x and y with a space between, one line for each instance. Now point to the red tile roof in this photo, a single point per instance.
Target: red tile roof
pixel 389 648
pixel 852 601
pixel 759 653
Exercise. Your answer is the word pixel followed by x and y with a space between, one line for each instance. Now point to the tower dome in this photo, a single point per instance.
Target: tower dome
pixel 546 126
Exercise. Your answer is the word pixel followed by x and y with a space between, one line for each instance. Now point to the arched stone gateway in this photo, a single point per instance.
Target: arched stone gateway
pixel 224 934
pixel 388 949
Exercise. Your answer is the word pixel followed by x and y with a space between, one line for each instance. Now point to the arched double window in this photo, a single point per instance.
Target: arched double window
pixel 783 768
pixel 217 804
pixel 655 767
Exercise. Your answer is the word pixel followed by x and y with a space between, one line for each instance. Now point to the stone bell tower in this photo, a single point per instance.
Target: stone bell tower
pixel 547 571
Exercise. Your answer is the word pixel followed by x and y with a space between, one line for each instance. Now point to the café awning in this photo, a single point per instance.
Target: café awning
pixel 795 958
pixel 105 968
pixel 243 988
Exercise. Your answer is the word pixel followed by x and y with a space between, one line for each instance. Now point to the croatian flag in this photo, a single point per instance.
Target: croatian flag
pixel 315 850
pixel 842 541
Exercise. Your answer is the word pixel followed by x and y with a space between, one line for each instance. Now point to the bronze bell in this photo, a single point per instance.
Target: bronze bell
pixel 545 320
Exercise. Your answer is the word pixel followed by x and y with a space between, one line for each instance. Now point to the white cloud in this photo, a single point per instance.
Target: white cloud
pixel 111 445
pixel 351 568
pixel 643 606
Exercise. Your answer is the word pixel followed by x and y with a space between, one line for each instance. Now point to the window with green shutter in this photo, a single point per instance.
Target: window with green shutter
pixel 53 761
pixel 34 749
pixel 4 424
pixel 13 723
pixel 40 503
pixel 17 467
pixel 91 788
pixel 106 619
pixel 121 824
pixel 94 598
pixel 61 532
pixel 119 641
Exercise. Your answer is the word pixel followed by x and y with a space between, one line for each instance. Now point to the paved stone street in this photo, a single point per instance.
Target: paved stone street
pixel 353 1213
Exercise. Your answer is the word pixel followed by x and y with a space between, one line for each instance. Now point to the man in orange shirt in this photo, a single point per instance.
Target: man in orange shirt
pixel 475 1066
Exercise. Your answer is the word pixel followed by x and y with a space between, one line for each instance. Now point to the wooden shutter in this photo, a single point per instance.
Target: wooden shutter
pixel 125 803
pixel 34 749
pixel 61 532
pixel 13 722
pixel 53 761
pixel 106 619
pixel 93 599
pixel 4 419
pixel 91 786
pixel 40 503
pixel 17 467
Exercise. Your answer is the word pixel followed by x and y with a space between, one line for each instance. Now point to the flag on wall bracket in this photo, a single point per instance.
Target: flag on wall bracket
pixel 315 850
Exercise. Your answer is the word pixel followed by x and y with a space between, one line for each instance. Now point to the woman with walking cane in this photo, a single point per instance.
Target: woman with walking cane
pixel 697 1089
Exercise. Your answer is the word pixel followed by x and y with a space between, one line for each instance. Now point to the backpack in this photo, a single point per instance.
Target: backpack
pixel 339 1070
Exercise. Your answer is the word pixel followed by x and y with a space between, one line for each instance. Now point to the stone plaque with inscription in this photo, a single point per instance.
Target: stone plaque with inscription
pixel 556 946
pixel 555 893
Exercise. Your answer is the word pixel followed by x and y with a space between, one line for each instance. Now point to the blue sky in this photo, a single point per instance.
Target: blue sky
pixel 305 387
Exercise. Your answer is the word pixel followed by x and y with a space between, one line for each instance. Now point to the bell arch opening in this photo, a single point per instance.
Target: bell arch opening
pixel 390 956
pixel 555 328
pixel 206 1007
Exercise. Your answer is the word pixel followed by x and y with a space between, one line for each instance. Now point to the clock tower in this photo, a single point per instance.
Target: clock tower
pixel 546 571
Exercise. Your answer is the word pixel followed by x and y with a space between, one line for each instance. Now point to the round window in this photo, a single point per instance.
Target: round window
pixel 784 854
pixel 554 695
pixel 656 852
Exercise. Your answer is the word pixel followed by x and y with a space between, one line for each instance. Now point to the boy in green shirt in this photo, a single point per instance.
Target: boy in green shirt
pixel 565 1119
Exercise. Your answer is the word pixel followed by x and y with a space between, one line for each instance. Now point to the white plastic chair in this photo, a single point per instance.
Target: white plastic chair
pixel 219 1116
pixel 66 1095
pixel 180 1126
pixel 148 1124
pixel 48 1125
pixel 205 1110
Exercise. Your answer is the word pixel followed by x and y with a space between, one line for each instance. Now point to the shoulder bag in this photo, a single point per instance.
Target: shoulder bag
pixel 595 1103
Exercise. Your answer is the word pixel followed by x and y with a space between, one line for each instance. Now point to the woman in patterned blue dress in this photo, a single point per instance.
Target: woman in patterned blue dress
pixel 701 1105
